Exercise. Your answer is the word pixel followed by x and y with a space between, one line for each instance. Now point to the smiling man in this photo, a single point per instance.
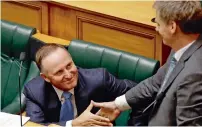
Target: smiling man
pixel 173 96
pixel 62 91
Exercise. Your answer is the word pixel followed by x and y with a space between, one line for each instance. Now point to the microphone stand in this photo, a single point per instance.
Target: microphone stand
pixel 22 58
pixel 20 93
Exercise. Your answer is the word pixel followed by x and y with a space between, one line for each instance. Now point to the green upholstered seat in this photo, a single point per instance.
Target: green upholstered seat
pixel 119 63
pixel 14 40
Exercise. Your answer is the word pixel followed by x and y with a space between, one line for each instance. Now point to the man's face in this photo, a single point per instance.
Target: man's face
pixel 165 30
pixel 60 70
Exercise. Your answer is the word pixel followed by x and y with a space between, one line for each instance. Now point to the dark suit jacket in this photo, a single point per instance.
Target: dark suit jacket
pixel 182 100
pixel 43 105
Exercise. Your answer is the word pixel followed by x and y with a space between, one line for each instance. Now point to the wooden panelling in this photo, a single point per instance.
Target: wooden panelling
pixel 33 14
pixel 62 22
pixel 118 37
pixel 132 10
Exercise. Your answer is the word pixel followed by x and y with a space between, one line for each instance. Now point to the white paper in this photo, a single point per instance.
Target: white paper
pixel 11 120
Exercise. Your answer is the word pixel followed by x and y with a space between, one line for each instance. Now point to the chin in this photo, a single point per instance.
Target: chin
pixel 165 43
pixel 72 85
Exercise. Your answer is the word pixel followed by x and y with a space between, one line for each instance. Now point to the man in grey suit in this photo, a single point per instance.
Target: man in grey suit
pixel 173 96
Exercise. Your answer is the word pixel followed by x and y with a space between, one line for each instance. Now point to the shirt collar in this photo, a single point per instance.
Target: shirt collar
pixel 60 92
pixel 180 52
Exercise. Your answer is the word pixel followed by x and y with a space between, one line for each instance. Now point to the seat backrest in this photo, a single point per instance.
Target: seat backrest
pixel 14 40
pixel 121 64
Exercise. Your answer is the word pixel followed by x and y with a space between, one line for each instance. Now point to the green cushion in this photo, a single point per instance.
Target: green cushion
pixel 9 79
pixel 14 40
pixel 110 60
pixel 121 64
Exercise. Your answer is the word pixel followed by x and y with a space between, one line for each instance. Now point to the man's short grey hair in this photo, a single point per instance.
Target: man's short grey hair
pixel 178 10
pixel 46 50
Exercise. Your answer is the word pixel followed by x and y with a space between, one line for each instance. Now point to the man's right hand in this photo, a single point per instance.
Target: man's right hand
pixel 89 119
pixel 108 110
pixel 108 105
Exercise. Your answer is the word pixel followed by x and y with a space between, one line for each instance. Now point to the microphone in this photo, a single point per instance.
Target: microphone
pixel 22 58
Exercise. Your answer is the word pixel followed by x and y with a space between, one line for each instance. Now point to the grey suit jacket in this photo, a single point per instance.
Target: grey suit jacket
pixel 182 103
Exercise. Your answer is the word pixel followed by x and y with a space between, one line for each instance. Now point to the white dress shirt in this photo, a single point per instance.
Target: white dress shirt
pixel 121 102
pixel 59 93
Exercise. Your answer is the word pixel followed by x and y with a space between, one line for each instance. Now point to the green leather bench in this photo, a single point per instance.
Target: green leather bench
pixel 14 40
pixel 121 64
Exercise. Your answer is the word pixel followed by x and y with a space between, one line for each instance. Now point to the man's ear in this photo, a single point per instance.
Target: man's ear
pixel 173 27
pixel 44 77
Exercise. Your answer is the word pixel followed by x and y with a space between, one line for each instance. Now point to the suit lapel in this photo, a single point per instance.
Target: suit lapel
pixel 81 103
pixel 180 65
pixel 81 96
pixel 53 101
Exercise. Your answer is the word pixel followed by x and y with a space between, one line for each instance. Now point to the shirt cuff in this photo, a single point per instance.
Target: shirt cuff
pixel 121 103
pixel 69 123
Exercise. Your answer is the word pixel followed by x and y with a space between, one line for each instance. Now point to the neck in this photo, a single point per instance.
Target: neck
pixel 183 40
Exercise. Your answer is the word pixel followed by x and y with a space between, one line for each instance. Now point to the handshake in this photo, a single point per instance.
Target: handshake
pixel 108 113
pixel 107 110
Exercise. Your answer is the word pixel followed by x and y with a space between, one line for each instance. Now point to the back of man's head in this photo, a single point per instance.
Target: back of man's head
pixel 187 14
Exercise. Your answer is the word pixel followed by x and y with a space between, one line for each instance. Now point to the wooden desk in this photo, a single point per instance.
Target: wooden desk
pixel 29 123
pixel 51 39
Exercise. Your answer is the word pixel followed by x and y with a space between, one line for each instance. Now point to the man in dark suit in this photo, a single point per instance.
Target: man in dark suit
pixel 173 96
pixel 62 91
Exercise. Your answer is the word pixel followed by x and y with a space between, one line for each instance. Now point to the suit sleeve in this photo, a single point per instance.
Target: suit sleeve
pixel 116 87
pixel 32 109
pixel 189 101
pixel 36 114
pixel 145 92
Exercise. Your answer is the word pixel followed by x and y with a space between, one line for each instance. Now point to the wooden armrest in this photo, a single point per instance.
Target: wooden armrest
pixel 29 123
pixel 51 39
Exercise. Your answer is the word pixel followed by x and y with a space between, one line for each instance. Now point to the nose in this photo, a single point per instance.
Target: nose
pixel 68 74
